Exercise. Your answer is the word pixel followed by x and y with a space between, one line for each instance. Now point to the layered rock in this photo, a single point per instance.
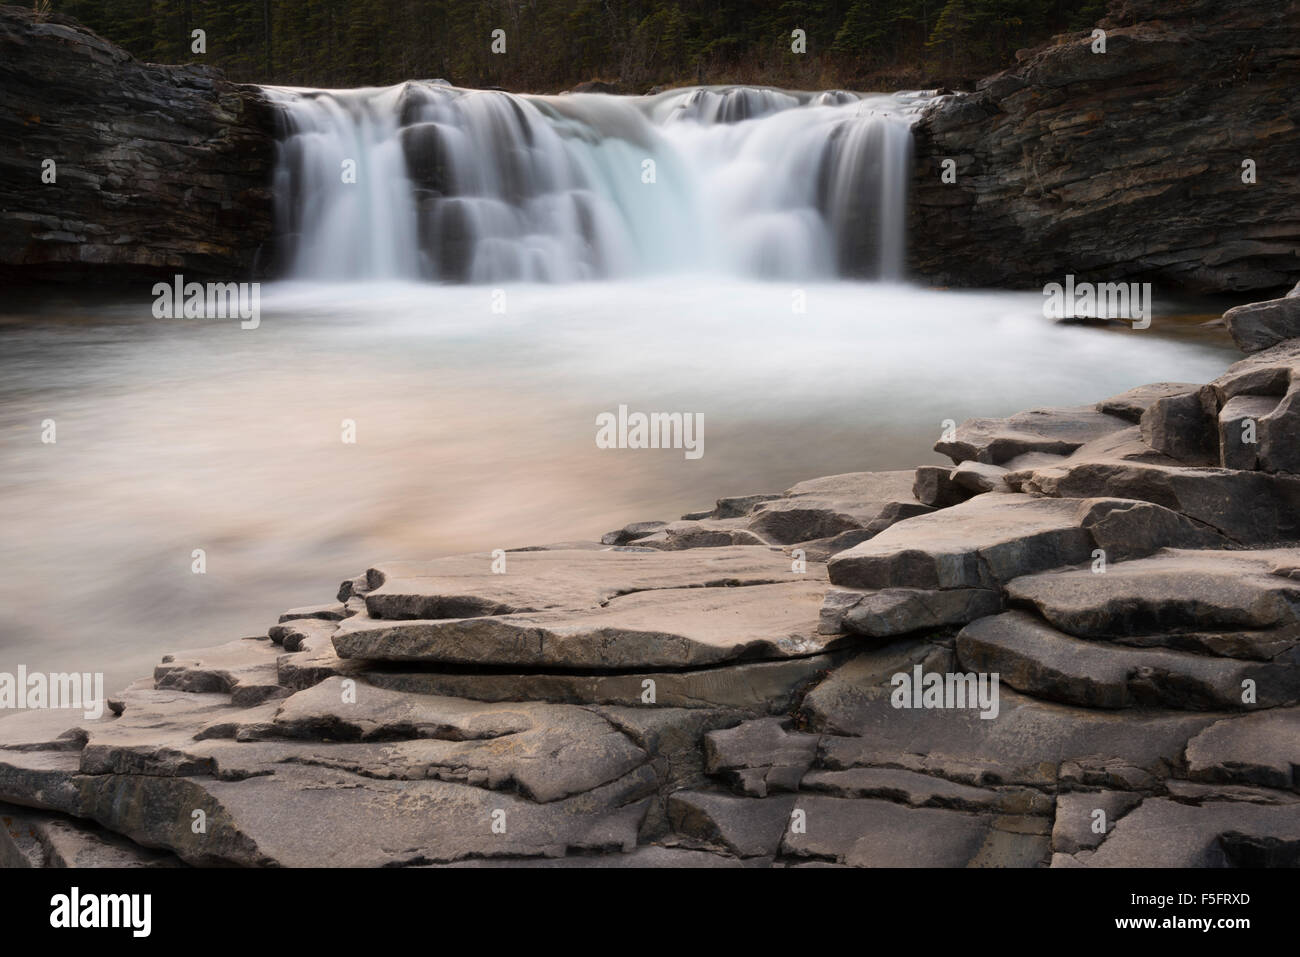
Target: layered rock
pixel 157 169
pixel 1125 164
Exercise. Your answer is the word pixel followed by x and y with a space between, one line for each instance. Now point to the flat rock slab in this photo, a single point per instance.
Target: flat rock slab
pixel 244 669
pixel 1259 325
pixel 1175 590
pixel 1036 659
pixel 873 833
pixel 978 544
pixel 925 790
pixel 757 687
pixel 1258 749
pixel 900 611
pixel 1131 404
pixel 465 586
pixel 1250 508
pixel 668 628
pixel 1166 833
pixel 1053 431
pixel 1027 743
pixel 746 827
pixel 826 507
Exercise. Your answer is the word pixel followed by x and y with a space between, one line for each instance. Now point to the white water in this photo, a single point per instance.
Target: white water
pixel 482 186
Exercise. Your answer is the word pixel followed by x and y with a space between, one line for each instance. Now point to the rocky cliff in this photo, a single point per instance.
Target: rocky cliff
pixel 1127 163
pixel 155 168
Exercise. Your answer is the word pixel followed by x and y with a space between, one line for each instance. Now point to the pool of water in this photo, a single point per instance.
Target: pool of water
pixel 475 429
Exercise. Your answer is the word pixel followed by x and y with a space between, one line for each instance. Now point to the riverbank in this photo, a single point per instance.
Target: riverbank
pixel 771 681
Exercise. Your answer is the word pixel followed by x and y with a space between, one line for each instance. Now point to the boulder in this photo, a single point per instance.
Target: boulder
pixel 1131 404
pixel 1259 325
pixel 1184 427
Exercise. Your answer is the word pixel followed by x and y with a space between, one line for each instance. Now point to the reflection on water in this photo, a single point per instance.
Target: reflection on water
pixel 474 431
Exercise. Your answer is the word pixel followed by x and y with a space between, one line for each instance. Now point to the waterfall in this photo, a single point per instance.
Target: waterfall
pixel 425 180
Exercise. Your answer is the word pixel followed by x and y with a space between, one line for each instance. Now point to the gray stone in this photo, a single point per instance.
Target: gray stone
pixel 1054 431
pixel 1176 590
pixel 1036 659
pixel 1260 749
pixel 981 477
pixel 1259 325
pixel 934 486
pixel 1131 404
pixel 978 544
pixel 656 629
pixel 900 611
pixel 1184 427
pixel 759 757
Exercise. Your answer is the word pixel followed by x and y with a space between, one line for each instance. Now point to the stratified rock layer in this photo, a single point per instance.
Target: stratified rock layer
pixel 157 169
pixel 1131 160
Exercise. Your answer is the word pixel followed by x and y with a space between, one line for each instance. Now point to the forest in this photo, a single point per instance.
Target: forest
pixel 549 46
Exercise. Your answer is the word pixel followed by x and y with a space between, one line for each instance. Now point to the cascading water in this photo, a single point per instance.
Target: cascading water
pixel 425 180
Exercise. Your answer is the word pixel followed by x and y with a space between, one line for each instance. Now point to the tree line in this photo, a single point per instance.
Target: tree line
pixel 551 45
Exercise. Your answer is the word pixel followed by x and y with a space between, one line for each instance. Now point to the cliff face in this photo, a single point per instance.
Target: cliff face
pixel 1125 164
pixel 157 168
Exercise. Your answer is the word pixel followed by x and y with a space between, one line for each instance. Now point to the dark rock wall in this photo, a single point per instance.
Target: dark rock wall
pixel 159 169
pixel 1125 164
